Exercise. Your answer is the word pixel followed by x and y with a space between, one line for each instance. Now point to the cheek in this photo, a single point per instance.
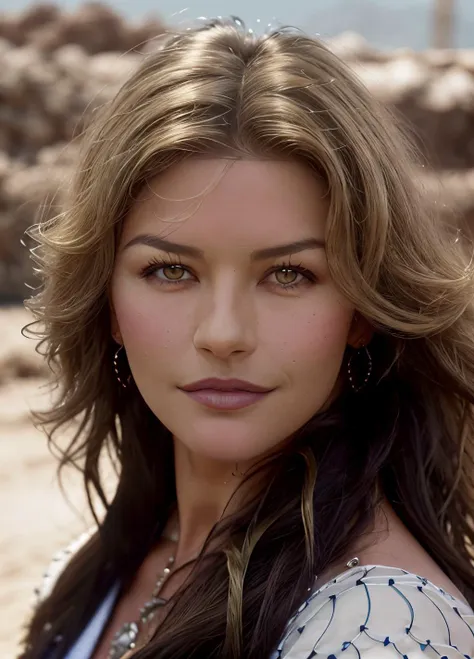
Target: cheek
pixel 314 342
pixel 148 328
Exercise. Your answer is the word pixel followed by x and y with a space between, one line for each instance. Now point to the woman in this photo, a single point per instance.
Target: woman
pixel 247 304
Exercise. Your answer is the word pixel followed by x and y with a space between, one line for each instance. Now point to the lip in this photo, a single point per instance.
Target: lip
pixel 232 385
pixel 225 400
pixel 225 395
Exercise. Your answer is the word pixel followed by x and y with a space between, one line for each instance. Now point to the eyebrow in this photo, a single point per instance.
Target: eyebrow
pixel 193 252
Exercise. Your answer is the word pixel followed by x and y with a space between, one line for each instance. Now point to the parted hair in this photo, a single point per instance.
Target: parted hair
pixel 407 435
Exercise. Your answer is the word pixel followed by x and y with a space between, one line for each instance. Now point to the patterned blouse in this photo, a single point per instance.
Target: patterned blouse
pixel 367 612
pixel 376 611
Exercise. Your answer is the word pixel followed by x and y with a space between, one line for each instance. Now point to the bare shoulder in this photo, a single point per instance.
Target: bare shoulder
pixel 393 545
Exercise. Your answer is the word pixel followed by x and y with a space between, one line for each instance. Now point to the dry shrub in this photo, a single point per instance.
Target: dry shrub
pixel 57 68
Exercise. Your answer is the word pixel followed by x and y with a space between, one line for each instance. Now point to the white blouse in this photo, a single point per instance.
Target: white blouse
pixel 367 612
pixel 376 611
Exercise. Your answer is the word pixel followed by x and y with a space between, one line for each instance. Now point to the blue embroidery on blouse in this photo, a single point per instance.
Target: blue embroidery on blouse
pixel 394 580
pixel 355 646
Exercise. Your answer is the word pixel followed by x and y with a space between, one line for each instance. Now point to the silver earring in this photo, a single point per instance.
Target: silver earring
pixel 357 387
pixel 117 373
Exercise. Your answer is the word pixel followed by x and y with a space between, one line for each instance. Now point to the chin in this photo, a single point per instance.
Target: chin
pixel 227 440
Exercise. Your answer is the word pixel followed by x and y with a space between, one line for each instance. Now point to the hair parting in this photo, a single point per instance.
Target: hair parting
pixel 408 436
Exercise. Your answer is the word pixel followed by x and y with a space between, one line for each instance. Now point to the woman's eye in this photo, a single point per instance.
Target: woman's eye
pixel 171 273
pixel 287 276
pixel 166 273
pixel 292 276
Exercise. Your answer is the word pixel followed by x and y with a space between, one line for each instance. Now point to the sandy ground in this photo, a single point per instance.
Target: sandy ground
pixel 36 519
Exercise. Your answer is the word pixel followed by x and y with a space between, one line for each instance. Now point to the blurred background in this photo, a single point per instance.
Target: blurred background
pixel 60 61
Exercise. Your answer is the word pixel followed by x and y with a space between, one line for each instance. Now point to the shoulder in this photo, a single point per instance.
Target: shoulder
pixel 381 612
pixel 57 565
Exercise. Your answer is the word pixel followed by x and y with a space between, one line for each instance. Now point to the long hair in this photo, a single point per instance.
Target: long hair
pixel 408 436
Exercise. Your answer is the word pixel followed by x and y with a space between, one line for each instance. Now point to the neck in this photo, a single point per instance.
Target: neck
pixel 205 494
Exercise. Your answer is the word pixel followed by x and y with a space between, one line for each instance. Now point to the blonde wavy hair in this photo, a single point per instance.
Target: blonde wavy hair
pixel 219 90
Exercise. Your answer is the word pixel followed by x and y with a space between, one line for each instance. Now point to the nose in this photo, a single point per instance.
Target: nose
pixel 226 326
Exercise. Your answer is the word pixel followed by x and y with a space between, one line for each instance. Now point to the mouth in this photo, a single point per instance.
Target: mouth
pixel 226 394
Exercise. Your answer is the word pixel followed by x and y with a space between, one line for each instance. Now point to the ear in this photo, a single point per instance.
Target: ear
pixel 360 332
pixel 114 325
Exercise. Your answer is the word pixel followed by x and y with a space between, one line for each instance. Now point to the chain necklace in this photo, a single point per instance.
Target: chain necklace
pixel 126 638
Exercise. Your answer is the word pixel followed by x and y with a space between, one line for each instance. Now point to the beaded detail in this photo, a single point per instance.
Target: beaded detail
pixel 126 637
pixel 122 383
pixel 367 612
pixel 368 369
pixel 58 564
pixel 379 612
pixel 353 562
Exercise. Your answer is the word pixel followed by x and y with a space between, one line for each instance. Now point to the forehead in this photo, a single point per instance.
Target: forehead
pixel 239 202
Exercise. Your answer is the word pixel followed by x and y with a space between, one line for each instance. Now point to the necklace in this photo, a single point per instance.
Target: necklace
pixel 126 638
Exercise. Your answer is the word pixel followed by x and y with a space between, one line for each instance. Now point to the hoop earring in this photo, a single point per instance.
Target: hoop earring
pixel 359 352
pixel 116 369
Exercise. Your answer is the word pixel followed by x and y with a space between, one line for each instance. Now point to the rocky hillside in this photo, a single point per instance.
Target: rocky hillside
pixel 55 68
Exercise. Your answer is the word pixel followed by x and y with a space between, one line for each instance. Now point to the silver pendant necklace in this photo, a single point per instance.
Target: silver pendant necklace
pixel 126 638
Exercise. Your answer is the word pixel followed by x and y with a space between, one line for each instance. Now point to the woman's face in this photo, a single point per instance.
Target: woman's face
pixel 221 273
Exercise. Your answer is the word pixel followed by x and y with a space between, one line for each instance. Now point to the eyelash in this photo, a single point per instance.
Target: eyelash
pixel 156 264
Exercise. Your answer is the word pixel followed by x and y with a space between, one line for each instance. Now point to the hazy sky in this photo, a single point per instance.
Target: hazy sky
pixel 285 10
pixel 386 23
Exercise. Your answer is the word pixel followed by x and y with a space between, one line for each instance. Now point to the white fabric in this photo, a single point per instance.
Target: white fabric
pixel 371 612
pixel 368 612
pixel 85 644
pixel 59 562
pixel 378 612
